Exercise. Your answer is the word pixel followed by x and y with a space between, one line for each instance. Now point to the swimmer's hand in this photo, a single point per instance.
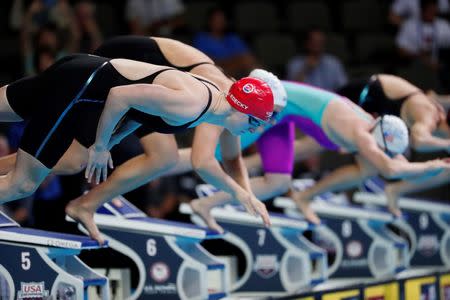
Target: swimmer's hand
pixel 99 158
pixel 254 207
pixel 436 166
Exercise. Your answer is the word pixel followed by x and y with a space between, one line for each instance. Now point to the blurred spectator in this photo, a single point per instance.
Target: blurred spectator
pixel 45 22
pixel 43 58
pixel 227 49
pixel 150 17
pixel 41 12
pixel 90 35
pixel 421 38
pixel 402 10
pixel 316 67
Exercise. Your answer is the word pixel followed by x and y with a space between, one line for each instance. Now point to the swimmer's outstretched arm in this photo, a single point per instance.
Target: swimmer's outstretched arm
pixel 209 169
pixel 397 167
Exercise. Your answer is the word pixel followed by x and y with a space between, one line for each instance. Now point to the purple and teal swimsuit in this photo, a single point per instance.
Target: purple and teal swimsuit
pixel 304 110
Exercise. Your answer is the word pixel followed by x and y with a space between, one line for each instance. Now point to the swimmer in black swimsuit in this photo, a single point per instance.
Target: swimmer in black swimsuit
pixel 426 118
pixel 178 55
pixel 69 97
pixel 389 94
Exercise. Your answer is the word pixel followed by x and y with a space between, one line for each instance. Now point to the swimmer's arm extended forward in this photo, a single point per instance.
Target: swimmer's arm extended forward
pixel 397 167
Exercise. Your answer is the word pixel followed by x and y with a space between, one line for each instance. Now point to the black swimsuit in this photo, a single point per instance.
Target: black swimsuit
pixel 144 49
pixel 140 48
pixel 370 96
pixel 66 101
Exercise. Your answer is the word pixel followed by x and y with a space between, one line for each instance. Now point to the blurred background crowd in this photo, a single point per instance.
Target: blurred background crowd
pixel 321 42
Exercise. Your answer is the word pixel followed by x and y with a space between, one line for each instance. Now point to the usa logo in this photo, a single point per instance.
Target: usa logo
pixel 389 137
pixel 266 266
pixel 32 290
pixel 248 88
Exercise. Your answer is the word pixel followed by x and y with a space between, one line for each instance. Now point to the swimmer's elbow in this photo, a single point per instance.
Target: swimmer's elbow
pixel 417 141
pixel 391 170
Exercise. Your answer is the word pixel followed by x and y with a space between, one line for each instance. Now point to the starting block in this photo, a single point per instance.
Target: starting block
pixel 364 246
pixel 279 260
pixel 43 265
pixel 170 260
pixel 430 228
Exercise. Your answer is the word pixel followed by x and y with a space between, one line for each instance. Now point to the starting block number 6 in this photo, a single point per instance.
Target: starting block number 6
pixel 151 247
pixel 26 262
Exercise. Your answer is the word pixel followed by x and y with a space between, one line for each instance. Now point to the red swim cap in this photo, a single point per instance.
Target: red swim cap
pixel 251 96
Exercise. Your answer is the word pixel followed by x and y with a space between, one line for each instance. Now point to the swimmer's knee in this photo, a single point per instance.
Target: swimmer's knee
pixel 280 182
pixel 165 160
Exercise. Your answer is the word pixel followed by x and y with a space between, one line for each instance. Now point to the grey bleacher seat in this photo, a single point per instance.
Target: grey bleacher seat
pixel 305 15
pixel 256 16
pixel 196 13
pixel 375 46
pixel 274 50
pixel 337 45
pixel 361 16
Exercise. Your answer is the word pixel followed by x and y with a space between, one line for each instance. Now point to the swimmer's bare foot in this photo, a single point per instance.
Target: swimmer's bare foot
pixel 304 206
pixel 200 208
pixel 85 216
pixel 392 200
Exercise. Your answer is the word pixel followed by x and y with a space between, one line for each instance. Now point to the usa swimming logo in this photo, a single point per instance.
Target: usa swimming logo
pixel 248 88
pixel 32 290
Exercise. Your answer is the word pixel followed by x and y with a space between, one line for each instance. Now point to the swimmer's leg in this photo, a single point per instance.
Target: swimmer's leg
pixel 395 190
pixel 72 162
pixel 340 179
pixel 7 114
pixel 23 179
pixel 160 155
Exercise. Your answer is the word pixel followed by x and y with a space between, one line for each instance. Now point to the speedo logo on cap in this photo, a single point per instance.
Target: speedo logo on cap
pixel 248 88
pixel 238 103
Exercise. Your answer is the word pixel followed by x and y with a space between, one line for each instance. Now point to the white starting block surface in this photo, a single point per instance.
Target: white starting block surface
pixel 170 260
pixel 427 225
pixel 278 260
pixel 39 264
